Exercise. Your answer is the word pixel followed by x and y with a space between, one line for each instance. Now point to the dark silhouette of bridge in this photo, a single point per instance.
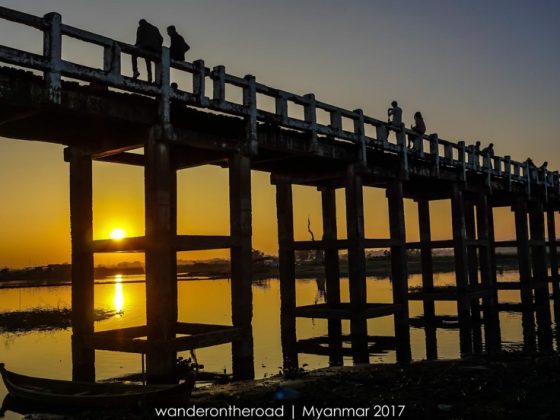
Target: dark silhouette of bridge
pixel 102 114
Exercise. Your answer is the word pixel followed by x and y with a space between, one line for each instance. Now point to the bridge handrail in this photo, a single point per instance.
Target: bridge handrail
pixel 424 146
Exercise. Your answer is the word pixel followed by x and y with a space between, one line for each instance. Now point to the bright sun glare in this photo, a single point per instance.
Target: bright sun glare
pixel 117 233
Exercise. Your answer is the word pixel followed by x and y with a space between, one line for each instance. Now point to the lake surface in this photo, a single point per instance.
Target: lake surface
pixel 48 353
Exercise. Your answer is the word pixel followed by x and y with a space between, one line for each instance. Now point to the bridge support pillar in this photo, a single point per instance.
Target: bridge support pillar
pixel 332 273
pixel 553 255
pixel 241 264
pixel 161 262
pixel 524 260
pixel 286 258
pixel 399 269
pixel 81 223
pixel 472 258
pixel 461 269
pixel 356 263
pixel 485 219
pixel 542 299
pixel 427 276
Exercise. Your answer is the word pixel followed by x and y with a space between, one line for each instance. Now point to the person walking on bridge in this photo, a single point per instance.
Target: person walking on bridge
pixel 178 47
pixel 148 38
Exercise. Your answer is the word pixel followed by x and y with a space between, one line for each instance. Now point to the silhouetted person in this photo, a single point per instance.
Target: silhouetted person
pixel 394 115
pixel 148 38
pixel 178 47
pixel 419 128
pixel 488 150
pixel 473 157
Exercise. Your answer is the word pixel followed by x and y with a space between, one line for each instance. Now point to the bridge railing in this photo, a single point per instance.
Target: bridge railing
pixel 343 125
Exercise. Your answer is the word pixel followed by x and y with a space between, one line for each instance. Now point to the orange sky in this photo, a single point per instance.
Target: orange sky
pixel 477 71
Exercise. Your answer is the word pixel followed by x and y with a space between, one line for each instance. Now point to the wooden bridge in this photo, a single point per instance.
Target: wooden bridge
pixel 102 114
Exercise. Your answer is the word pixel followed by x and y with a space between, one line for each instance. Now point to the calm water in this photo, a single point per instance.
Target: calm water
pixel 47 354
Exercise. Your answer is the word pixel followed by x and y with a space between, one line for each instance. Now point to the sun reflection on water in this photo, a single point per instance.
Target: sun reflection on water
pixel 118 299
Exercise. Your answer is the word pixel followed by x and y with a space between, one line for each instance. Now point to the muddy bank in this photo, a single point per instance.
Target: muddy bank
pixel 511 386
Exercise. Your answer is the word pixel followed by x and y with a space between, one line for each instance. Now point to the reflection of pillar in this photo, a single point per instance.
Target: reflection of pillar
pixel 472 257
pixel 523 258
pixel 161 261
pixel 461 269
pixel 83 360
pixel 427 277
pixel 538 253
pixel 332 273
pixel 286 259
pixel 356 264
pixel 553 253
pixel 399 271
pixel 489 303
pixel 241 264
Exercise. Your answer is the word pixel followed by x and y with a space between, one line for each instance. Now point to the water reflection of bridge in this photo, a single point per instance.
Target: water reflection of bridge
pixel 112 114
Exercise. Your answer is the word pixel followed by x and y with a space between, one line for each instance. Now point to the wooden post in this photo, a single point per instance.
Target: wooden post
pixel 199 82
pixel 523 257
pixel 250 105
pixel 161 261
pixel 332 273
pixel 399 269
pixel 472 257
pixel 241 264
pixel 461 269
pixel 427 276
pixel 310 114
pixel 553 255
pixel 490 303
pixel 52 50
pixel 356 264
pixel 81 224
pixel 542 300
pixel 163 77
pixel 287 261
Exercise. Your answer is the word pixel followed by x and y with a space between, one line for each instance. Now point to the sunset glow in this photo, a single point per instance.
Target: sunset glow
pixel 117 234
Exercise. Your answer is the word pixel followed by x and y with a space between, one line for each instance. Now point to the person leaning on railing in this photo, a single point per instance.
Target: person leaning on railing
pixel 419 129
pixel 177 47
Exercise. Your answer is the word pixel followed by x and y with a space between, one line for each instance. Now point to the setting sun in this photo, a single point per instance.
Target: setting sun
pixel 117 233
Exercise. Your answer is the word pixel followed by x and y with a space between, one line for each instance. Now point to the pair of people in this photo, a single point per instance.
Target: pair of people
pixel 149 38
pixel 395 121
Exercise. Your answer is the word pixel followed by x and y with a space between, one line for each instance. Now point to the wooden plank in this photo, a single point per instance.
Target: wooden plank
pixel 347 311
pixel 208 339
pixel 81 226
pixel 202 242
pixel 132 244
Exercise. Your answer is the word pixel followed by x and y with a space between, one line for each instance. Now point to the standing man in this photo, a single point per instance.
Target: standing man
pixel 178 46
pixel 394 117
pixel 148 38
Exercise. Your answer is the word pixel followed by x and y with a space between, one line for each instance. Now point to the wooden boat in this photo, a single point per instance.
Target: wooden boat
pixel 92 395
